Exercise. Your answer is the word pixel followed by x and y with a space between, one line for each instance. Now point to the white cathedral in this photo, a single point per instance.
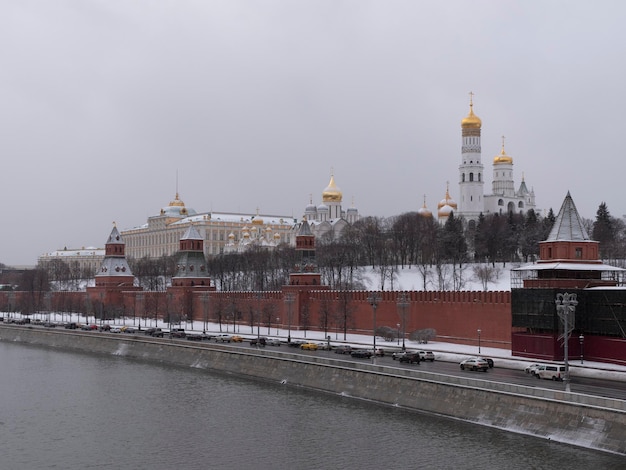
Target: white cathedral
pixel 473 201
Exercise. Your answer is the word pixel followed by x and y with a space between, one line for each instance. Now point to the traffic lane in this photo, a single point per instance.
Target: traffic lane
pixel 584 385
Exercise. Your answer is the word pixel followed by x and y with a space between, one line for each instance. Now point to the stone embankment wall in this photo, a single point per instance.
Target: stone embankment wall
pixel 592 422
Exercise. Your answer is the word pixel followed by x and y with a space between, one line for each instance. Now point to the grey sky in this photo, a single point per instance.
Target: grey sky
pixel 254 102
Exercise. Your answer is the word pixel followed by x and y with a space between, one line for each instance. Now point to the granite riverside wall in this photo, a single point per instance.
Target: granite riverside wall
pixel 581 420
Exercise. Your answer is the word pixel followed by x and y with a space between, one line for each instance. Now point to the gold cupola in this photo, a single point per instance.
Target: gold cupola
pixel 471 121
pixel 332 193
pixel 503 157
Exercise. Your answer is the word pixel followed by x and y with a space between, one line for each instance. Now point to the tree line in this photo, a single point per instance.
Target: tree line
pixel 442 254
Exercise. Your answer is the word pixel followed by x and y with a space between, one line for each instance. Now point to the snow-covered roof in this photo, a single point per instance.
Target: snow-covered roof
pixel 90 251
pixel 569 267
pixel 568 225
pixel 237 218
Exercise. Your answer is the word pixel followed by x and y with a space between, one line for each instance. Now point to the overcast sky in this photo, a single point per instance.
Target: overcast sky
pixel 255 102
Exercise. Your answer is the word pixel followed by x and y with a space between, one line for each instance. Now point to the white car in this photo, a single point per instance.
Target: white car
pixel 272 341
pixel 531 369
pixel 475 363
pixel 223 338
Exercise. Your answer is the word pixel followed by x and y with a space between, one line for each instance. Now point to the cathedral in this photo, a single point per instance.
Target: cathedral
pixel 473 201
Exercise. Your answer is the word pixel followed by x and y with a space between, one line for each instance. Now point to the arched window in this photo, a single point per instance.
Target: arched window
pixel 463 178
pixel 471 175
pixel 500 202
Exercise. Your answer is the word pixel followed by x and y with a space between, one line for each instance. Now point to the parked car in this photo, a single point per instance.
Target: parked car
pixel 343 349
pixel 532 368
pixel 427 356
pixel 223 338
pixel 272 341
pixel 411 358
pixel 309 346
pixel 550 372
pixel 258 341
pixel 361 353
pixel 475 363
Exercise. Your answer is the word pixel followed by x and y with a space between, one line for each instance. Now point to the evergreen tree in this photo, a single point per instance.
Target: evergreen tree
pixel 604 231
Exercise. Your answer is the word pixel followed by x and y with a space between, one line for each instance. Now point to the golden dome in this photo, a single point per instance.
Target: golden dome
pixel 503 157
pixel 332 193
pixel 177 202
pixel 471 121
pixel 423 211
pixel 257 219
pixel 447 201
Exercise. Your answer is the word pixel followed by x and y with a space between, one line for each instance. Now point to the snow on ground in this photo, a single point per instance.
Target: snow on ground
pixel 410 278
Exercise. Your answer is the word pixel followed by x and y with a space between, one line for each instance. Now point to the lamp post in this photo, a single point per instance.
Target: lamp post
pixel 373 300
pixel 403 304
pixel 258 319
pixel 478 340
pixel 398 326
pixel 290 298
pixel 140 298
pixel 205 300
pixel 581 338
pixel 277 323
pixel 566 304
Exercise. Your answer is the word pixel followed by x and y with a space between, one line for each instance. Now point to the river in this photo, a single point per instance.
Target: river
pixel 66 410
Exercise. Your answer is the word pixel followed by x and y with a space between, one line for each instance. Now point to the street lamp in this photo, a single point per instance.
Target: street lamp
pixel 478 340
pixel 398 325
pixel 277 323
pixel 566 305
pixel 373 300
pixel 290 298
pixel 403 304
pixel 581 338
pixel 258 319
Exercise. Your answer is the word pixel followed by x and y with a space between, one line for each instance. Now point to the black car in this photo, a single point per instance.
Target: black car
pixel 155 332
pixel 258 341
pixel 411 358
pixel 361 353
pixel 177 333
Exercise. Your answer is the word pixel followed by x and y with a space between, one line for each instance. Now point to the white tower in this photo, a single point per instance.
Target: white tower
pixel 503 184
pixel 471 181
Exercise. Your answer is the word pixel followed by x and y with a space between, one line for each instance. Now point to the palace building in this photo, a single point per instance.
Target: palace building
pixel 229 232
pixel 221 231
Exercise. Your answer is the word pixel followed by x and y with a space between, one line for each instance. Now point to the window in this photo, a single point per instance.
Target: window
pixel 579 252
pixel 471 176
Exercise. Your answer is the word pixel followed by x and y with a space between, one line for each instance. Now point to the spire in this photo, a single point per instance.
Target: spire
pixel 568 225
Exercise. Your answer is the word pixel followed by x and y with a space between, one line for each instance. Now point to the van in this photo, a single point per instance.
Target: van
pixel 550 372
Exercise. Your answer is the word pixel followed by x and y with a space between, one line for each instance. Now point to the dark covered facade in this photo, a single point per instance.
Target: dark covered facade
pixel 569 264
